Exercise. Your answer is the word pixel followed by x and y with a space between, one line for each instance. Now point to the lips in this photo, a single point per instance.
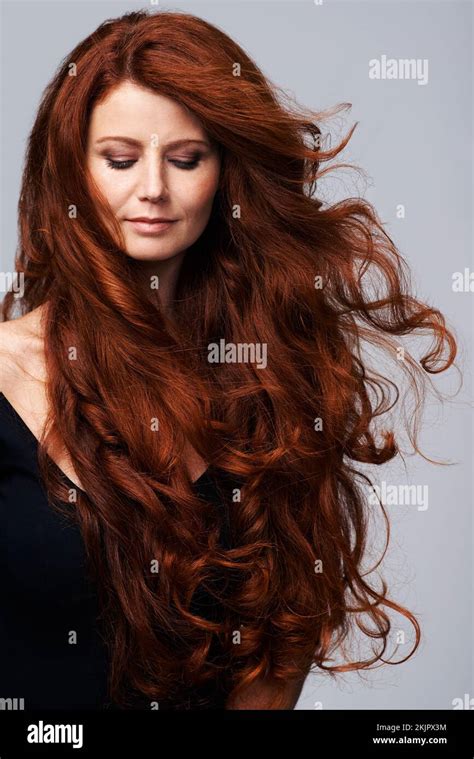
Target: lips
pixel 146 227
pixel 150 220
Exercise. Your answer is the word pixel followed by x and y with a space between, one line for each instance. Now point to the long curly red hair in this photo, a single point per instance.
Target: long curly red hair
pixel 275 266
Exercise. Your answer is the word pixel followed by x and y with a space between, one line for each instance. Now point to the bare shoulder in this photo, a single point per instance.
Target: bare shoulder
pixel 21 348
pixel 9 348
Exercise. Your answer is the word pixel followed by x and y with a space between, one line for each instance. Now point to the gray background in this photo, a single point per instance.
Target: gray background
pixel 415 144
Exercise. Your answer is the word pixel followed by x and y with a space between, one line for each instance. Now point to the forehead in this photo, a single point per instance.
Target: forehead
pixel 139 112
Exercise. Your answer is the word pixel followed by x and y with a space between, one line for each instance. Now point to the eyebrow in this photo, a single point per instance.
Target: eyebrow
pixel 137 143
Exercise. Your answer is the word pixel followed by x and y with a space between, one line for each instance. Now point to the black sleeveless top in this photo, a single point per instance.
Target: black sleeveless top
pixel 44 592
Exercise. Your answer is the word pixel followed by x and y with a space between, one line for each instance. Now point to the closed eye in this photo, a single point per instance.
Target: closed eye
pixel 127 164
pixel 119 164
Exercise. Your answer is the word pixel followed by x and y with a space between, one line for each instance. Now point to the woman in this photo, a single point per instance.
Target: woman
pixel 216 516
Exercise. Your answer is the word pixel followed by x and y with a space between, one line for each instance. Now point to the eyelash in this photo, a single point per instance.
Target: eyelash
pixel 121 165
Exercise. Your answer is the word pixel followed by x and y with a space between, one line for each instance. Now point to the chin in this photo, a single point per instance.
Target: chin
pixel 138 254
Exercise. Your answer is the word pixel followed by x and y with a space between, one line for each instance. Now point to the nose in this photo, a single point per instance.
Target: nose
pixel 153 178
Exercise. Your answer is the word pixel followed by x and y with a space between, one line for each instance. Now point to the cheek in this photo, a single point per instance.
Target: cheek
pixel 198 197
pixel 114 189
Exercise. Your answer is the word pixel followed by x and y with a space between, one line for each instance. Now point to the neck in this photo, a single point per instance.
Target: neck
pixel 158 280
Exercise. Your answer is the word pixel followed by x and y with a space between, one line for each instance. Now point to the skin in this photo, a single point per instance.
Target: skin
pixel 155 180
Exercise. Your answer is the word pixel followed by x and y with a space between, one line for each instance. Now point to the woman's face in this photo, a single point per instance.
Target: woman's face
pixel 141 174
